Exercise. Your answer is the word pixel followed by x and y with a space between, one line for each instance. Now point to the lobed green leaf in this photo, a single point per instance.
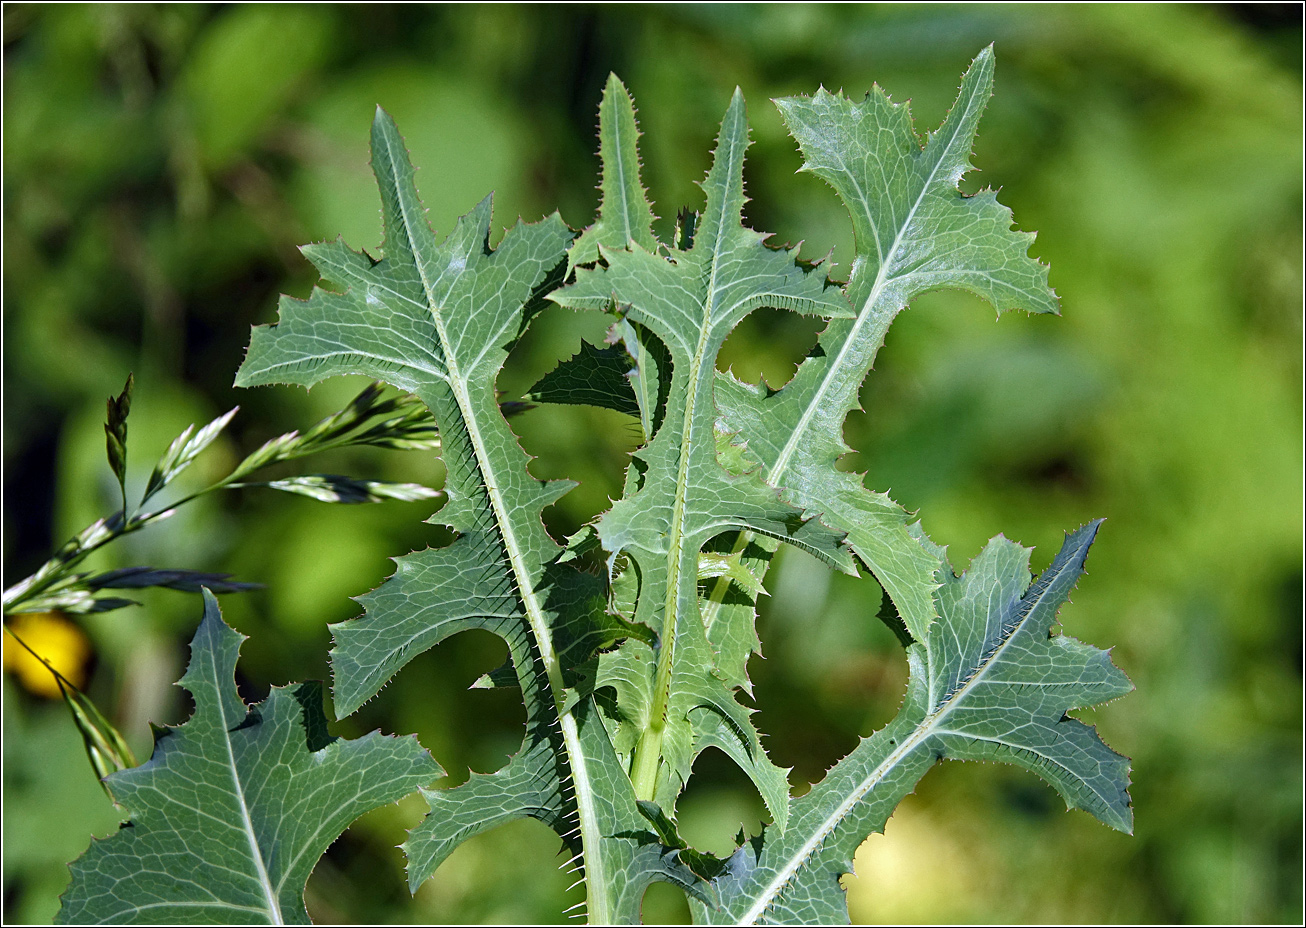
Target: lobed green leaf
pixel 914 231
pixel 234 808
pixel 678 497
pixel 989 682
pixel 437 319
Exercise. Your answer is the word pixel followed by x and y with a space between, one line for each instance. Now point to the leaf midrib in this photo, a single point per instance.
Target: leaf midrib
pixel 621 177
pixel 868 312
pixel 928 728
pixel 583 789
pixel 247 823
pixel 675 534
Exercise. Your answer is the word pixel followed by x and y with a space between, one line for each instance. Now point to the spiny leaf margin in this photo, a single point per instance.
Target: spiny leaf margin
pixel 234 808
pixel 989 662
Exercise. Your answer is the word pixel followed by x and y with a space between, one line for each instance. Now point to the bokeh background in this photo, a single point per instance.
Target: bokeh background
pixel 161 163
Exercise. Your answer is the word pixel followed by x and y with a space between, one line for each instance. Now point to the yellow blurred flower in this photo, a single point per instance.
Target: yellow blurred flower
pixel 56 639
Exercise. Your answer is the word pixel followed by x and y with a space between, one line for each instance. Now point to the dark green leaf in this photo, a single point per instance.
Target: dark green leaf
pixel 189 581
pixel 592 377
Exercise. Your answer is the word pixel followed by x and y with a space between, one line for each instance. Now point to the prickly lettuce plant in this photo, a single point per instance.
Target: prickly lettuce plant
pixel 629 673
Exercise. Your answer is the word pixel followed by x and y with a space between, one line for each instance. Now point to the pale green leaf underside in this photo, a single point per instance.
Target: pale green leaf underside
pixel 914 231
pixel 437 319
pixel 236 806
pixel 625 215
pixel 732 566
pixel 631 855
pixel 988 683
pixel 678 496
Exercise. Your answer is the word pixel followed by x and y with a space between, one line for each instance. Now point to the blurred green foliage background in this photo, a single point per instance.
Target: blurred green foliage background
pixel 161 163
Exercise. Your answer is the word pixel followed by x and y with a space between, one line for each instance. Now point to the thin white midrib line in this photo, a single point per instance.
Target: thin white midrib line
pixel 621 177
pixel 511 546
pixel 381 285
pixel 870 217
pixel 1050 760
pixel 786 454
pixel 265 881
pixel 304 847
pixel 323 358
pixel 646 411
pixel 1015 747
pixel 791 868
pixel 928 727
pixel 216 904
pixel 675 534
pixel 593 860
